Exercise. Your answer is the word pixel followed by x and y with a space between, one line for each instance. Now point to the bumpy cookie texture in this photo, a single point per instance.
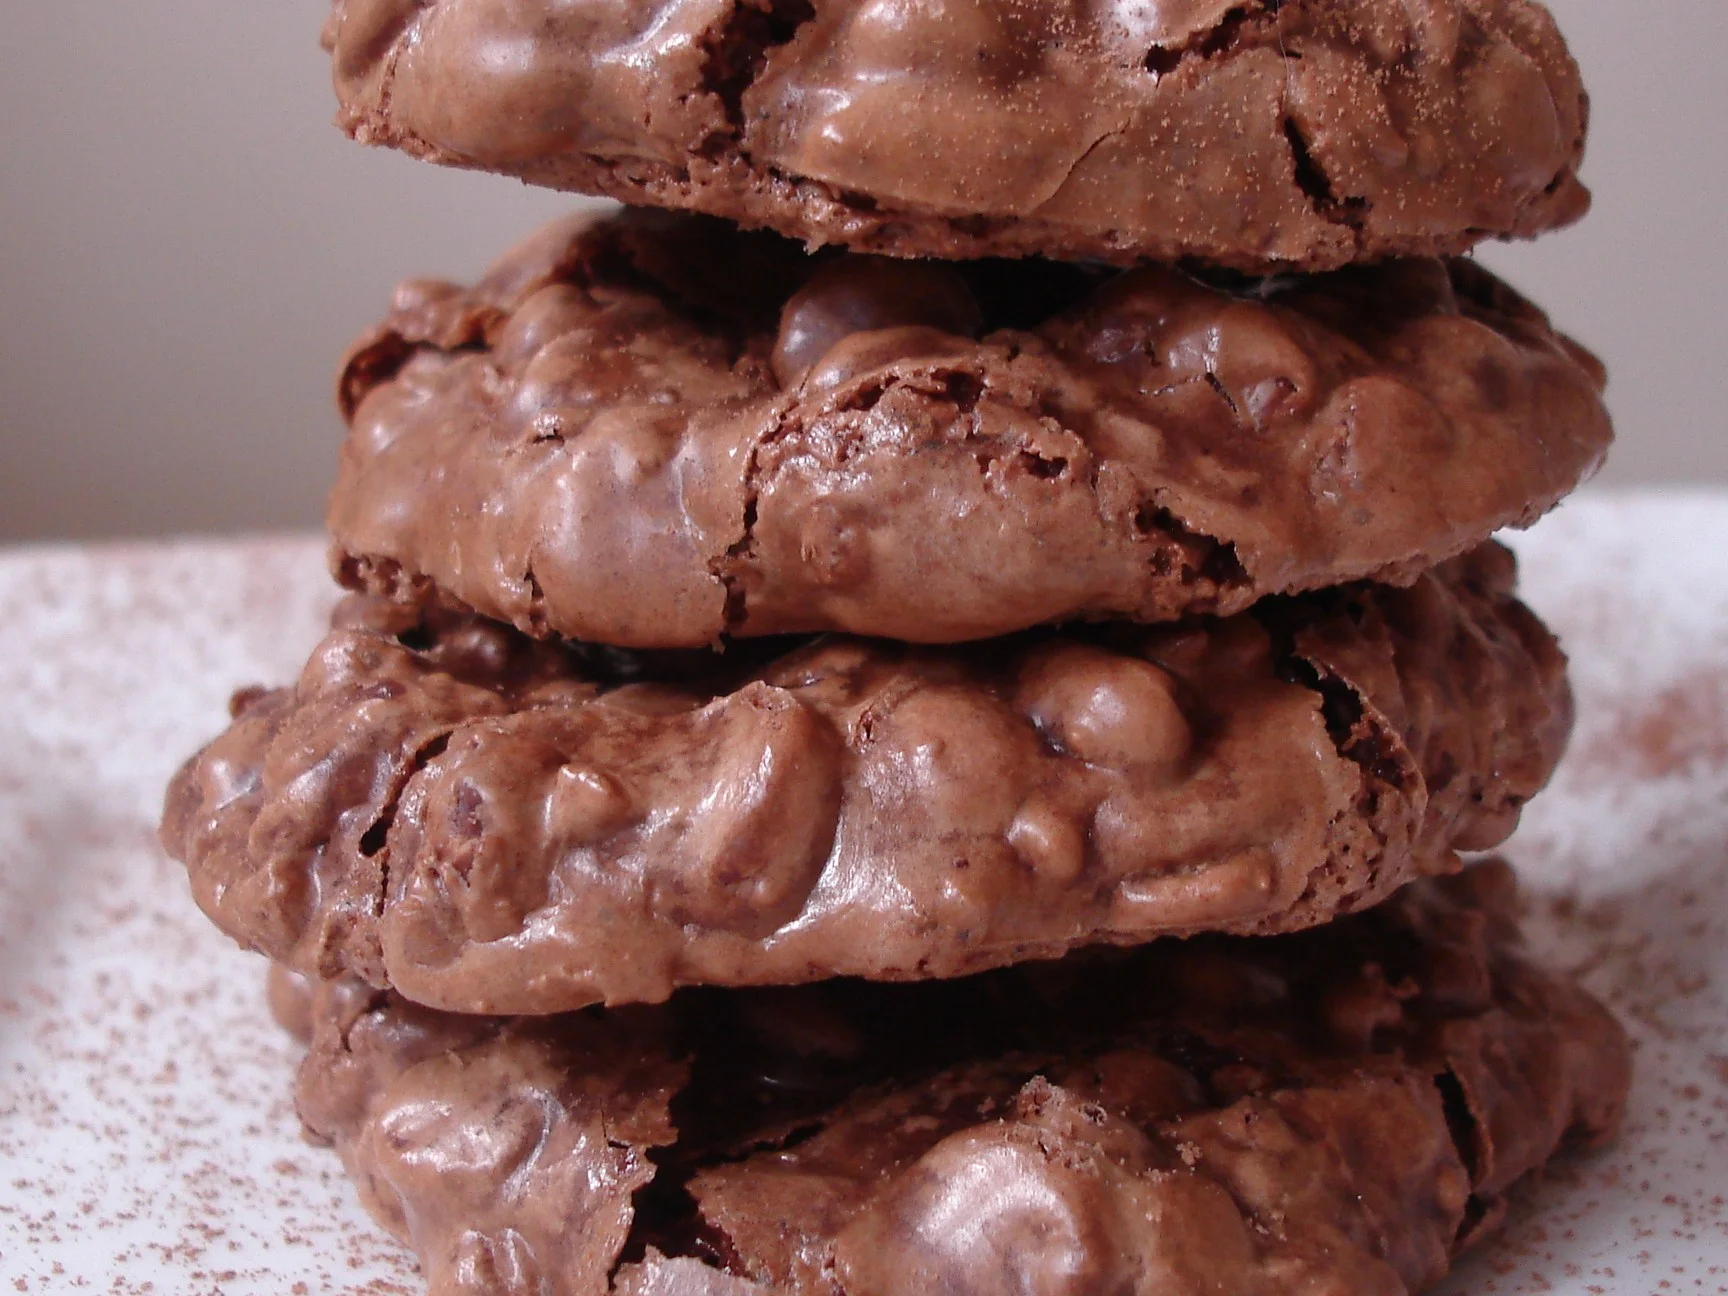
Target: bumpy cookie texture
pixel 1254 134
pixel 1341 1110
pixel 491 823
pixel 653 431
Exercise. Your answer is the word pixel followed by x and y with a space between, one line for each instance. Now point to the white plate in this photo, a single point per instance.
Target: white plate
pixel 146 1141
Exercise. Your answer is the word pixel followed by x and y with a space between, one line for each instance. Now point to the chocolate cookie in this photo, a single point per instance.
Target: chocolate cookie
pixel 1341 1111
pixel 653 431
pixel 1297 135
pixel 490 823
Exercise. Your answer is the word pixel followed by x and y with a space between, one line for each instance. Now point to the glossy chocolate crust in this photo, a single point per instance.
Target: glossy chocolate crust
pixel 1253 134
pixel 493 824
pixel 1338 1111
pixel 651 431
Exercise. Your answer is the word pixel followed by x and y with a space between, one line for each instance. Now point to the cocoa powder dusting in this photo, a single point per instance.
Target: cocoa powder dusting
pixel 1628 854
pixel 1683 727
pixel 147 1140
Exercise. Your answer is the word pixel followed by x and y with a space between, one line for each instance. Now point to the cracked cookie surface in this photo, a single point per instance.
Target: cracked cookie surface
pixel 1338 1110
pixel 491 823
pixel 653 431
pixel 1255 134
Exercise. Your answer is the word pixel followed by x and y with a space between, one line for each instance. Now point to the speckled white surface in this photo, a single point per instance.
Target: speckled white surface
pixel 146 1141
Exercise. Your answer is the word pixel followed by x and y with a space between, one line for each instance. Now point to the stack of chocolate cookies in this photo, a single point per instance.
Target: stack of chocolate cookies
pixel 925 745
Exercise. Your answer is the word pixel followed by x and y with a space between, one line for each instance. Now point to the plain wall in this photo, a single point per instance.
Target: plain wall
pixel 188 246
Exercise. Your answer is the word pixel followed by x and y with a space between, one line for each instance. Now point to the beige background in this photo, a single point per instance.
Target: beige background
pixel 186 246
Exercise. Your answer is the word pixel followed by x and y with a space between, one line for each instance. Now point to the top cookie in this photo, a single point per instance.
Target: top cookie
pixel 1298 135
